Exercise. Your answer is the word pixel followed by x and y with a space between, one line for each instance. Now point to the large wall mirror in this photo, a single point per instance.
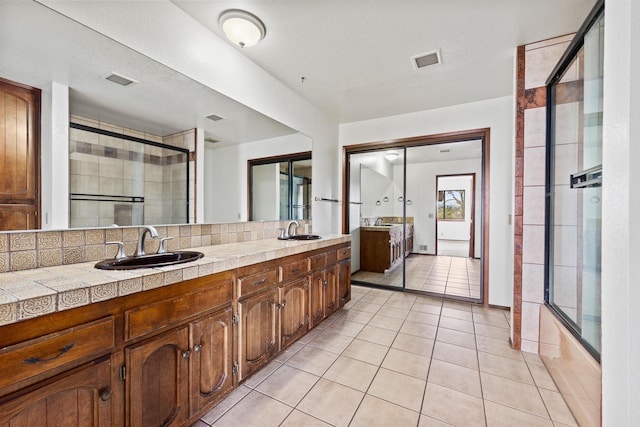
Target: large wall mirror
pixel 133 145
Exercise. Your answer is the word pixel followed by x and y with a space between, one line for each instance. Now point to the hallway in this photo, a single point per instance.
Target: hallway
pixel 394 359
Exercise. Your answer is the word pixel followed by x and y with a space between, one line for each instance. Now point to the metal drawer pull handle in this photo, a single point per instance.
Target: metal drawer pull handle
pixel 65 349
pixel 296 270
pixel 260 282
pixel 185 354
pixel 105 394
pixel 197 348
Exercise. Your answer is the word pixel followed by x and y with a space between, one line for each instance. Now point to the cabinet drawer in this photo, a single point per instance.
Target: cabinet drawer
pixel 33 357
pixel 321 261
pixel 148 318
pixel 343 253
pixel 257 282
pixel 294 270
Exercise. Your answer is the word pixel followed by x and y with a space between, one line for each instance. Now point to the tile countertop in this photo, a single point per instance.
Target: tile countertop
pixel 31 293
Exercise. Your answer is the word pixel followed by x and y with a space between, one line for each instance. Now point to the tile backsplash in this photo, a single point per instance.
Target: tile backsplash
pixel 23 250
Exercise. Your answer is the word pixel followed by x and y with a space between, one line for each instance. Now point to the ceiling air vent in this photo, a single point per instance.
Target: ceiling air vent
pixel 211 140
pixel 215 117
pixel 423 60
pixel 120 79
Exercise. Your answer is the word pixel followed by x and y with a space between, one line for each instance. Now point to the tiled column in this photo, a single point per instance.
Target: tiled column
pixel 535 63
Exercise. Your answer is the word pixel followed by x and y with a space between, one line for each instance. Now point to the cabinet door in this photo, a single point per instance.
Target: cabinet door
pixel 258 331
pixel 211 365
pixel 344 282
pixel 331 297
pixel 294 311
pixel 316 298
pixel 82 399
pixel 19 156
pixel 157 371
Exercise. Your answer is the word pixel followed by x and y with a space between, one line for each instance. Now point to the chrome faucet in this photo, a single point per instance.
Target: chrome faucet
pixel 152 232
pixel 378 221
pixel 286 232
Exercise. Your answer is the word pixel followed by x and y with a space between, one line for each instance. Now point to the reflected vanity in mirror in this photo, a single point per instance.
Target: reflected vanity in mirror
pixel 140 130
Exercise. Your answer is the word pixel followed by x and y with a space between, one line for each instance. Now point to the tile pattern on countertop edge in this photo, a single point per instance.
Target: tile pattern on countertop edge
pixel 30 293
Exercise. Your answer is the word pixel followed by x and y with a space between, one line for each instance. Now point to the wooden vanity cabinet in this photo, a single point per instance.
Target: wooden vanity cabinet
pixel 323 296
pixel 167 355
pixel 344 275
pixel 81 397
pixel 258 331
pixel 157 380
pixel 211 368
pixel 294 311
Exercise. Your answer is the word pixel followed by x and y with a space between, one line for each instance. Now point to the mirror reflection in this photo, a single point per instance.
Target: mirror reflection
pixel 170 125
pixel 413 217
pixel 280 188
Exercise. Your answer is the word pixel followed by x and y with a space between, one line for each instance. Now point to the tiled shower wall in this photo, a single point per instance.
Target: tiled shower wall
pixel 535 63
pixel 36 249
pixel 101 164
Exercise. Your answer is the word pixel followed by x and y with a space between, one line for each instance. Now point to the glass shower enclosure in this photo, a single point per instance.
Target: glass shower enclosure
pixel 574 187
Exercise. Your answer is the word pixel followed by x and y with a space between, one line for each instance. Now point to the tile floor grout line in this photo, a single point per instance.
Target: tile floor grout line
pixel 433 348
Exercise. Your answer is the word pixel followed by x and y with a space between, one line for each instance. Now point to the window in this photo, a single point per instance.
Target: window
pixel 451 204
pixel 280 188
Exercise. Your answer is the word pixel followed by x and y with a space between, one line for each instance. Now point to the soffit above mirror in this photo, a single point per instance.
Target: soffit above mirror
pixel 53 48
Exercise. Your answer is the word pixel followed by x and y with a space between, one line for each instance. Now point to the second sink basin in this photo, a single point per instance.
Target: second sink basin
pixel 149 261
pixel 304 237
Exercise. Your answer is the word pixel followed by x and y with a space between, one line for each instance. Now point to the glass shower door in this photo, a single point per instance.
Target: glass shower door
pixel 574 188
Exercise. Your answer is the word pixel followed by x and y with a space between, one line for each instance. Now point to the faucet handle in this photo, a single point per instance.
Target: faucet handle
pixel 162 249
pixel 120 254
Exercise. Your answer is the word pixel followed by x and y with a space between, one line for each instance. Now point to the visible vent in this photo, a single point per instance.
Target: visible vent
pixel 422 60
pixel 445 150
pixel 215 117
pixel 211 140
pixel 120 79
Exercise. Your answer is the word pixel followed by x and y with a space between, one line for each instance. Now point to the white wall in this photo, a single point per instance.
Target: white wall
pixel 620 213
pixel 225 174
pixel 54 157
pixel 266 192
pixel 496 114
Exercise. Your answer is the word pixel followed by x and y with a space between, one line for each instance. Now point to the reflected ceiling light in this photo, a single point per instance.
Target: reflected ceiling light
pixel 241 27
pixel 391 155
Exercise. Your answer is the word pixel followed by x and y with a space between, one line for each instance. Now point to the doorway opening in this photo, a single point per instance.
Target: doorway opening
pixel 417 210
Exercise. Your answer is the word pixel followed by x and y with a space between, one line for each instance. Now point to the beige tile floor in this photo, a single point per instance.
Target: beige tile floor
pixel 440 274
pixel 394 359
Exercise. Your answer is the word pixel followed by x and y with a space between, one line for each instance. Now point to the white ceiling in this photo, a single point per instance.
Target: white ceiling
pixel 355 54
pixel 163 101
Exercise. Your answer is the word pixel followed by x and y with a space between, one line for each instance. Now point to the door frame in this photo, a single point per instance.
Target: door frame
pixel 472 230
pixel 483 134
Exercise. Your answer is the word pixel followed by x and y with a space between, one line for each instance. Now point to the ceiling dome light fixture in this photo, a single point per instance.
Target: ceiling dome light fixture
pixel 241 27
pixel 391 155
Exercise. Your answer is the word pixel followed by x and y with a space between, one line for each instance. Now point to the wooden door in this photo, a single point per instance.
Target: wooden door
pixel 19 156
pixel 294 311
pixel 344 281
pixel 157 376
pixel 259 331
pixel 316 298
pixel 211 365
pixel 331 297
pixel 81 399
